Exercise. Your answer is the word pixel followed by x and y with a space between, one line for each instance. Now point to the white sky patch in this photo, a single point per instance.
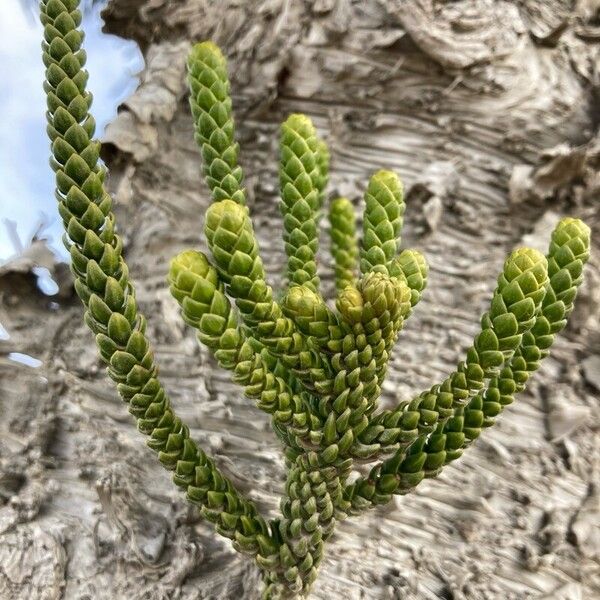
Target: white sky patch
pixel 25 359
pixel 26 180
pixel 45 282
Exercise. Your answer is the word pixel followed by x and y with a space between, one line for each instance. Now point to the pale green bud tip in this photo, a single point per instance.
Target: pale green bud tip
pixel 525 269
pixel 419 260
pixel 300 301
pixel 383 292
pixel 192 276
pixel 206 50
pixel 350 304
pixel 341 205
pixel 388 179
pixel 228 211
pixel 570 227
pixel 375 283
pixel 56 8
pixel 414 267
pixel 301 124
pixel 191 260
pixel 193 264
pixel 524 259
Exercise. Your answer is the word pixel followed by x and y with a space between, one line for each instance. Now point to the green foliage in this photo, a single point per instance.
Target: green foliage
pixel 344 246
pixel 316 370
pixel 102 282
pixel 210 104
pixel 383 217
pixel 301 182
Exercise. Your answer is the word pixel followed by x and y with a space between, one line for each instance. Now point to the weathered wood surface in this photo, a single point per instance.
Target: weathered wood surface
pixel 489 112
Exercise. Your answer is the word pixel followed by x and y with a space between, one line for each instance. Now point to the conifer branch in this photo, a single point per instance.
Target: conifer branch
pixel 301 183
pixel 344 246
pixel 102 283
pixel 382 223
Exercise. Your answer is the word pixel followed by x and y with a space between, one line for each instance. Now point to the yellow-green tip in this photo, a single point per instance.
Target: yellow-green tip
pixel 524 259
pixel 341 205
pixel 350 304
pixel 301 124
pixel 226 211
pixel 191 260
pixel 382 293
pixel 300 300
pixel 190 274
pixel 206 48
pixel 573 227
pixel 387 178
pixel 525 274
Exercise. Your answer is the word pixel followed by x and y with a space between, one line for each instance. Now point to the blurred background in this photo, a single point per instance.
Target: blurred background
pixel 489 111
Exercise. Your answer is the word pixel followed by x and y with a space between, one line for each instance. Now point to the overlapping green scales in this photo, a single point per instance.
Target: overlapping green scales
pixel 300 178
pixel 344 245
pixel 515 304
pixel 309 312
pixel 391 429
pixel 377 312
pixel 569 251
pixel 411 266
pixel 355 342
pixel 102 283
pixel 195 284
pixel 309 511
pixel 235 250
pixel 521 289
pixel 210 104
pixel 382 222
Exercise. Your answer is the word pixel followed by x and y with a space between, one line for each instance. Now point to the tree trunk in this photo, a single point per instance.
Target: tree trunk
pixel 489 112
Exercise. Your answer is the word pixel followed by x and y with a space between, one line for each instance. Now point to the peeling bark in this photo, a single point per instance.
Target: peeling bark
pixel 476 104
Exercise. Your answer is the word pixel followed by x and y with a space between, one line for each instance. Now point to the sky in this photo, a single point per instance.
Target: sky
pixel 26 180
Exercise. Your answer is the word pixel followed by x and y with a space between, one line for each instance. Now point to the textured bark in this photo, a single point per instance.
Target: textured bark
pixel 489 111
